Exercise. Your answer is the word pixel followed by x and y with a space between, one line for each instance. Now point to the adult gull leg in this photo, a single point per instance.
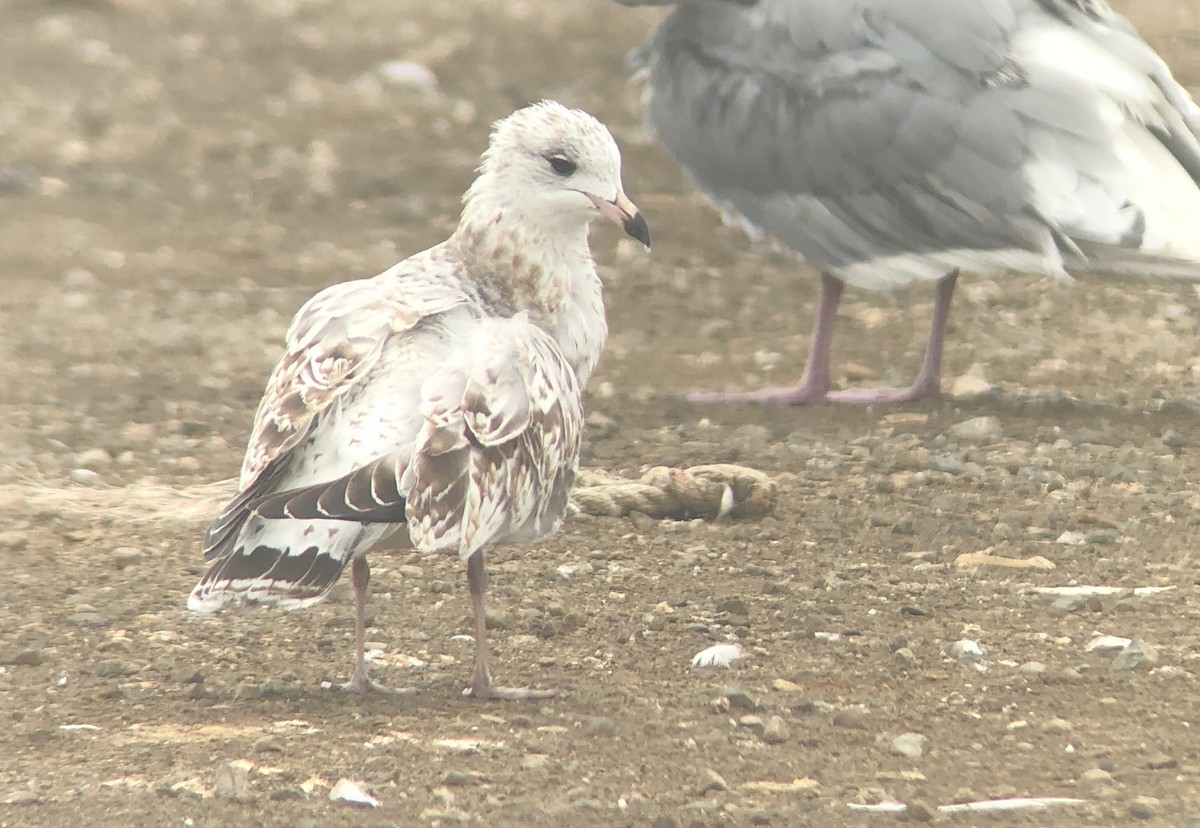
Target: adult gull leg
pixel 814 382
pixel 928 384
pixel 481 686
pixel 361 681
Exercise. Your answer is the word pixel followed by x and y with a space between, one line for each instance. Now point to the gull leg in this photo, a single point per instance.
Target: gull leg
pixel 814 382
pixel 481 686
pixel 928 383
pixel 361 681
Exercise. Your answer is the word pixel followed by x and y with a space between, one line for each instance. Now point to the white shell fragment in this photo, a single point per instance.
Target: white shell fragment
pixel 1084 591
pixel 1024 803
pixel 347 791
pixel 718 655
pixel 1107 642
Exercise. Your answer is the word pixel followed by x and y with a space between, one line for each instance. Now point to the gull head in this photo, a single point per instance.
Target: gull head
pixel 556 169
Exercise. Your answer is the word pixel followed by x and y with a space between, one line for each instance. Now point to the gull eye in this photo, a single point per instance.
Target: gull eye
pixel 561 164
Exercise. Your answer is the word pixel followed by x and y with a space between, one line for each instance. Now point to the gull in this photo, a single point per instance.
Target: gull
pixel 436 406
pixel 891 141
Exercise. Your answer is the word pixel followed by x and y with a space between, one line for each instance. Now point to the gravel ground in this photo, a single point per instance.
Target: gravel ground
pixel 176 178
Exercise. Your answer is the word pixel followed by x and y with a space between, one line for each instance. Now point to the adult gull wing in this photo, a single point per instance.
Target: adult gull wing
pixel 888 142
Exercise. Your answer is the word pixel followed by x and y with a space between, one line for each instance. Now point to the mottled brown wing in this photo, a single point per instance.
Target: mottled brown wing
pixel 333 342
pixel 500 445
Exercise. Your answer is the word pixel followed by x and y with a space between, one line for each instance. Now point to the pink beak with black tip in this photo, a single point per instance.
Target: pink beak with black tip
pixel 624 213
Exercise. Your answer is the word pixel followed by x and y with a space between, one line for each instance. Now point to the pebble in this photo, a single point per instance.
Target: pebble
pixel 23 797
pixel 918 810
pixel 85 477
pixel 113 668
pixel 1095 776
pixel 124 556
pixel 535 761
pixel 232 781
pixel 1143 807
pixel 13 541
pixel 909 745
pixel 28 658
pixel 713 781
pixel 851 718
pixel 775 731
pixel 1057 726
pixel 785 686
pixel 458 779
pixel 738 697
pixel 1032 668
pixel 600 726
pixel 752 722
pixel 966 651
pixel 977 429
pixel 1136 654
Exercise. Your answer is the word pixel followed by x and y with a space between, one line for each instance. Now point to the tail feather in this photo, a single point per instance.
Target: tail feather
pixel 292 564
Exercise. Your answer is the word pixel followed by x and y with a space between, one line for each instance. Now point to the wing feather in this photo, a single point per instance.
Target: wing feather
pixel 494 460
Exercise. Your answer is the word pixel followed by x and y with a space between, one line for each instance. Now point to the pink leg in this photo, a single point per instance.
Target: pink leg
pixel 481 686
pixel 814 382
pixel 928 384
pixel 361 682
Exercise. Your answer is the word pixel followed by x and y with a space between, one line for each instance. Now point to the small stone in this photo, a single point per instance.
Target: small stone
pixel 713 781
pixel 1032 668
pixel 458 779
pixel 664 821
pixel 23 797
pixel 851 718
pixel 27 658
pixel 752 722
pixel 600 726
pixel 918 810
pixel 1143 807
pixel 1136 654
pixel 232 781
pixel 124 556
pixel 13 541
pixel 909 745
pixel 285 794
pixel 88 619
pixel 1161 761
pixel 977 429
pixel 1095 776
pixel 739 698
pixel 535 761
pixel 785 686
pixel 775 731
pixel 269 744
pixel 113 668
pixel 1057 726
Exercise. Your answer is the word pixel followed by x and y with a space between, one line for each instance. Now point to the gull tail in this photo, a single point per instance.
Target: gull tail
pixel 291 563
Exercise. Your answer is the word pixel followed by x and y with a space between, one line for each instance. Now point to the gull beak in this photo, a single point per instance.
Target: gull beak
pixel 623 212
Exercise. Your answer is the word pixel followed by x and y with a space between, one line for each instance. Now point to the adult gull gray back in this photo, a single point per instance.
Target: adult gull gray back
pixel 890 141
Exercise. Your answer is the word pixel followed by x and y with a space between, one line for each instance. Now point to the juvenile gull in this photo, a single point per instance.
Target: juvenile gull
pixel 438 405
pixel 889 141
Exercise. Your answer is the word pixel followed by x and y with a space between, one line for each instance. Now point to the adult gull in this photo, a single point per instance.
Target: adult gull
pixel 892 141
pixel 437 405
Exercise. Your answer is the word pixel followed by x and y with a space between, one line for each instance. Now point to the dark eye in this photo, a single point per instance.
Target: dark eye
pixel 561 164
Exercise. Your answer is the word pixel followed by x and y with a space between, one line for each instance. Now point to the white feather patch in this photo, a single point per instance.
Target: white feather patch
pixel 718 655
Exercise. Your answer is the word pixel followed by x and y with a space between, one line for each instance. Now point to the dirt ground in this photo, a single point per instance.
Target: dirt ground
pixel 177 177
